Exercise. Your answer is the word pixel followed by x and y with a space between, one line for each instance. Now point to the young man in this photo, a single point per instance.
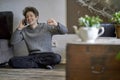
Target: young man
pixel 38 38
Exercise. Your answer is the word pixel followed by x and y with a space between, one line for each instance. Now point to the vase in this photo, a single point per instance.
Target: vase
pixel 117 30
pixel 89 34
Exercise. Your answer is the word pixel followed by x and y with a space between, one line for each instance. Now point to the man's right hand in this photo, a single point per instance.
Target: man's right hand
pixel 21 25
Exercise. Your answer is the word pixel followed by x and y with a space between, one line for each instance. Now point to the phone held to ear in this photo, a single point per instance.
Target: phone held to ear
pixel 25 23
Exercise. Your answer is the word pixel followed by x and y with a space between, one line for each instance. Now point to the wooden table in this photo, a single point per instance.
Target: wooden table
pixel 93 61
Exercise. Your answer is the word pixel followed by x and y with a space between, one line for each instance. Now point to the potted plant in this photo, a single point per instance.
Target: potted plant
pixel 89 28
pixel 116 20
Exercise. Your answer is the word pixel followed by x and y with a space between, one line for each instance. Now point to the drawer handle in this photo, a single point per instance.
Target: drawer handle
pixel 97 69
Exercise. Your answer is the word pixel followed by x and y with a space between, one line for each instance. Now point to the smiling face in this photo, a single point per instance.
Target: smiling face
pixel 31 18
pixel 31 15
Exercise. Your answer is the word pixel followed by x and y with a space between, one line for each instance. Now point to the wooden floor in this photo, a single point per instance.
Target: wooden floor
pixel 33 74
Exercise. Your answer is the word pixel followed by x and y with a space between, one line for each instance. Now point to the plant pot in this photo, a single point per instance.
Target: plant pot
pixel 89 34
pixel 117 30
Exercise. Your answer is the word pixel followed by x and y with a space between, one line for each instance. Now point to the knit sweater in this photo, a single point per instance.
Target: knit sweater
pixel 38 39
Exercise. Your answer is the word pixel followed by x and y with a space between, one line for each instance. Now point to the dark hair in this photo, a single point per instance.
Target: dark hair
pixel 32 9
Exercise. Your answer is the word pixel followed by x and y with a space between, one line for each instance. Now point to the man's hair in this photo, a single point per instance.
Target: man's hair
pixel 32 9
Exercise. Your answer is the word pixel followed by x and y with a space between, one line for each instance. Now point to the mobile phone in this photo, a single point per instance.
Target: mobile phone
pixel 25 23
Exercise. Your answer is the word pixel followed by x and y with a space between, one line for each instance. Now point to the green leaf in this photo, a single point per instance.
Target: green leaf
pixel 89 21
pixel 118 56
pixel 116 17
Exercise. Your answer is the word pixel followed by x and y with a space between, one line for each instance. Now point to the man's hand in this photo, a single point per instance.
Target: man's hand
pixel 21 25
pixel 52 22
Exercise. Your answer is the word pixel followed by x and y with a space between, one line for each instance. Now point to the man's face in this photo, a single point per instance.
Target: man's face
pixel 31 18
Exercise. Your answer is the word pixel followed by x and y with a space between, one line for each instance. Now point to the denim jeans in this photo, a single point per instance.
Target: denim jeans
pixel 37 60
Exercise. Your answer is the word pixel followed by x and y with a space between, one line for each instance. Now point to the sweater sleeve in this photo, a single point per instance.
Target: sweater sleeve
pixel 16 37
pixel 60 29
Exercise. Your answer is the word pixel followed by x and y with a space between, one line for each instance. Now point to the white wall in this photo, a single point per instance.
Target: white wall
pixel 47 8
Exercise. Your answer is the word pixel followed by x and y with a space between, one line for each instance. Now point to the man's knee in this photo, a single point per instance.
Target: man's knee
pixel 57 58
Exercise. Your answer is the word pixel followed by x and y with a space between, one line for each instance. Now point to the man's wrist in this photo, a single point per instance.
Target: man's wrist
pixel 57 24
pixel 19 28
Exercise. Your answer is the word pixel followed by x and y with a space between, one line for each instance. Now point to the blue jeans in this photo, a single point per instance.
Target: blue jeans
pixel 37 60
